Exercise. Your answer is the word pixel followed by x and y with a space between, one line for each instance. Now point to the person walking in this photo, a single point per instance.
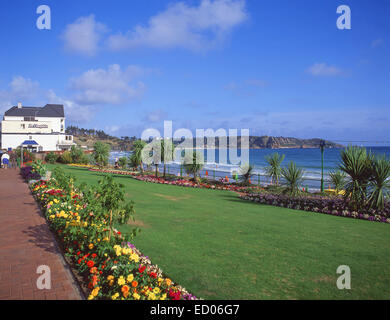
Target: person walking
pixel 5 160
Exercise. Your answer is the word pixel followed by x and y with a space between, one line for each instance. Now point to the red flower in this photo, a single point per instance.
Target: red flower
pixel 141 269
pixel 94 255
pixel 90 264
pixel 78 253
pixel 153 275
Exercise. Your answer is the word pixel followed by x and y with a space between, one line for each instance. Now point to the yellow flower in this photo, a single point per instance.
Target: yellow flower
pixel 168 282
pixel 164 296
pixel 152 296
pixel 136 296
pixel 121 281
pixel 90 246
pixel 156 290
pixel 115 296
pixel 90 297
pixel 134 257
pixel 95 291
pixel 130 278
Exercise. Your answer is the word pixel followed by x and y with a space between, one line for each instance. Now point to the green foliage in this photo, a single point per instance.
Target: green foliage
pixel 293 176
pixel 379 182
pixel 338 179
pixel 78 155
pixel 101 152
pixel 27 155
pixel 66 158
pixel 39 167
pixel 122 162
pixel 51 157
pixel 356 163
pixel 135 159
pixel 110 195
pixel 246 172
pixel 274 170
pixel 193 164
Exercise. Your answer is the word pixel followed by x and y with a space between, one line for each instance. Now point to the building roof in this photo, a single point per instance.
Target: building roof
pixel 30 143
pixel 49 110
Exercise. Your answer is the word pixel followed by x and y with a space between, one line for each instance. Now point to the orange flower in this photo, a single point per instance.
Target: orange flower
pixel 134 284
pixel 93 270
pixel 125 290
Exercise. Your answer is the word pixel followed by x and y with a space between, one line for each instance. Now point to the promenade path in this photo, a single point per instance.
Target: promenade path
pixel 26 243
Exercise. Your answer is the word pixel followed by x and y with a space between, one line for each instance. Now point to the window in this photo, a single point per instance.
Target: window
pixel 23 126
pixel 29 118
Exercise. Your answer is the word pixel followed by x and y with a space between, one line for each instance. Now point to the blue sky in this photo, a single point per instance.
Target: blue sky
pixel 278 67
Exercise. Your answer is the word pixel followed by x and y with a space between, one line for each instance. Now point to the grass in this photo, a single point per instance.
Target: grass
pixel 220 247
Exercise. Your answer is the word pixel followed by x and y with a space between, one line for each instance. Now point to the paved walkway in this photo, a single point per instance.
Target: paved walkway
pixel 26 243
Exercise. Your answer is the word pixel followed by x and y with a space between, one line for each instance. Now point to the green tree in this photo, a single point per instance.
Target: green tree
pixel 293 176
pixel 274 170
pixel 379 182
pixel 135 159
pixel 246 172
pixel 356 163
pixel 122 162
pixel 101 153
pixel 77 154
pixel 194 163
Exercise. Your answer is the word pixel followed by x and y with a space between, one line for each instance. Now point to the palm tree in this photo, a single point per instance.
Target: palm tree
pixel 356 163
pixel 338 179
pixel 274 170
pixel 380 184
pixel 136 156
pixel 122 162
pixel 293 176
pixel 167 153
pixel 101 153
pixel 246 171
pixel 193 164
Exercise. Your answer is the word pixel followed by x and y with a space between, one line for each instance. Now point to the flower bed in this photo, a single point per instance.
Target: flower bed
pixel 113 171
pixel 109 265
pixel 333 206
pixel 178 182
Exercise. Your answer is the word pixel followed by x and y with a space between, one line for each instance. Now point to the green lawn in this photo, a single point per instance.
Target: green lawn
pixel 220 247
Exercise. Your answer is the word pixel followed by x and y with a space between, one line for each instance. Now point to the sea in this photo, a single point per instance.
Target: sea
pixel 307 159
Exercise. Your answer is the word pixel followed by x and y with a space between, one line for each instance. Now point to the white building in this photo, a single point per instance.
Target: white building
pixel 37 128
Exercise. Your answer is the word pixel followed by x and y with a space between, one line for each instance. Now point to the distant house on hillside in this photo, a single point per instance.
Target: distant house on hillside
pixel 36 128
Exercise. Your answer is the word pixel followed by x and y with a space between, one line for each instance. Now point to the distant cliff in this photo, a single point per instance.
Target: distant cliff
pixel 266 142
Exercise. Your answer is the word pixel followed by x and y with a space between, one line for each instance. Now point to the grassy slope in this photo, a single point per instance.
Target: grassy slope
pixel 220 247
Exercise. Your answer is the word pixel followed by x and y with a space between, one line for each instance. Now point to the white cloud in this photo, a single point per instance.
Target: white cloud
pixel 184 26
pixel 19 90
pixel 73 111
pixel 83 36
pixel 322 69
pixel 155 116
pixel 108 86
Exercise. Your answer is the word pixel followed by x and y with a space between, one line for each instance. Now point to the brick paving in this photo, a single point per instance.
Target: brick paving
pixel 26 243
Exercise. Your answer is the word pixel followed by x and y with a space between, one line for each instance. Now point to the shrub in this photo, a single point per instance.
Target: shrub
pixel 51 157
pixel 338 179
pixel 65 158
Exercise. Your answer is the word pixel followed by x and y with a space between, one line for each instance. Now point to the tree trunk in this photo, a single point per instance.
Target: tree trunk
pixel 165 169
pixel 156 170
